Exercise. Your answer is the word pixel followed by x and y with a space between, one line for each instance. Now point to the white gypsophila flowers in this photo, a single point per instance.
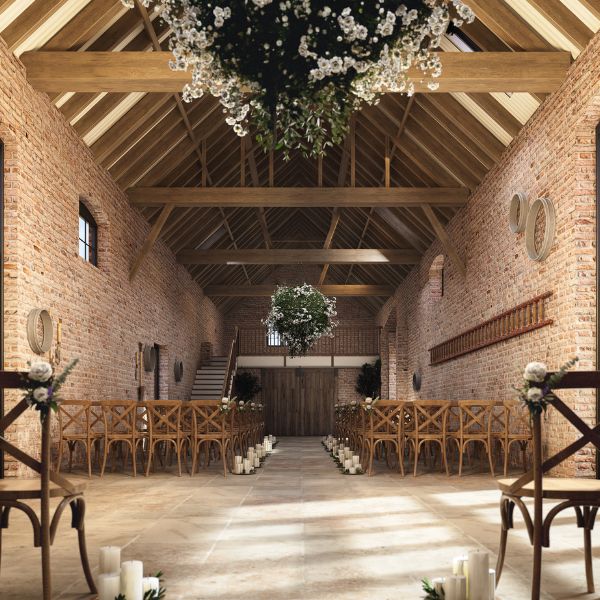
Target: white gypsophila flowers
pixel 534 394
pixel 535 372
pixel 40 371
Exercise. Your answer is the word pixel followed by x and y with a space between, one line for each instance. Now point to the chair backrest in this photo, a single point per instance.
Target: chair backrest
pixel 121 416
pixel 385 417
pixel 74 417
pixel 430 417
pixel 207 417
pixel 475 416
pixel 517 419
pixel 164 417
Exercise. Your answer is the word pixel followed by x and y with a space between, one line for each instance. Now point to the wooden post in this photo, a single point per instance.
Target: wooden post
pixel 537 506
pixel 45 508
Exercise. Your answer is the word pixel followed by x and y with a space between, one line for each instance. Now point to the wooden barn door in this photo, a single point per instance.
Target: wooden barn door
pixel 299 401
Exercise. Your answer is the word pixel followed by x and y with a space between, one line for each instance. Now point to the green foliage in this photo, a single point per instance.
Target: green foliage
pixel 246 386
pixel 368 383
pixel 430 592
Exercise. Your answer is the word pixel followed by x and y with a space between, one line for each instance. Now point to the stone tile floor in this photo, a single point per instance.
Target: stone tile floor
pixel 297 530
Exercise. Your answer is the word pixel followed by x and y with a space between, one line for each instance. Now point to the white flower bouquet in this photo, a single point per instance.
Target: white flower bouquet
pixel 370 403
pixel 41 386
pixel 227 404
pixel 536 391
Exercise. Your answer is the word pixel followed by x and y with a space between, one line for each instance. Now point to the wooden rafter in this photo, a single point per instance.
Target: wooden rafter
pixel 297 197
pixel 150 240
pixel 335 219
pixel 444 239
pixel 252 256
pixel 149 72
pixel 266 290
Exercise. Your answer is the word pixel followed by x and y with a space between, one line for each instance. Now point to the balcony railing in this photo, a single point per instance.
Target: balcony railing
pixel 346 341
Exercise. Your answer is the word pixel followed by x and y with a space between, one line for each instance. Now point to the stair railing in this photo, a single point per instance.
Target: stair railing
pixel 231 364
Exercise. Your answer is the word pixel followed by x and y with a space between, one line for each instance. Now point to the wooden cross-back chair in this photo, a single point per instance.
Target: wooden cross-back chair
pixel 210 427
pixel 164 426
pixel 78 423
pixel 383 427
pixel 17 493
pixel 473 428
pixel 514 429
pixel 429 424
pixel 583 495
pixel 124 423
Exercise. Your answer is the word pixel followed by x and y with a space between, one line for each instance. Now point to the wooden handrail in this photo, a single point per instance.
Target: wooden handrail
pixel 231 363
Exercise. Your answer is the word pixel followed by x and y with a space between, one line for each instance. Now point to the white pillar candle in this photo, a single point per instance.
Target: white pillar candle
pixel 438 585
pixel 359 467
pixel 455 587
pixel 347 463
pixel 239 460
pixel 492 583
pixel 132 573
pixel 479 575
pixel 256 462
pixel 150 584
pixel 110 559
pixel 458 565
pixel 246 464
pixel 352 470
pixel 109 585
pixel 356 459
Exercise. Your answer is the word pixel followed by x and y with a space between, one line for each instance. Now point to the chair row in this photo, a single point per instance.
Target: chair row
pixel 395 429
pixel 156 428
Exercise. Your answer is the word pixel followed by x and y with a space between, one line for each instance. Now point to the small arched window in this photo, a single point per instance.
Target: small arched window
pixel 88 235
pixel 436 278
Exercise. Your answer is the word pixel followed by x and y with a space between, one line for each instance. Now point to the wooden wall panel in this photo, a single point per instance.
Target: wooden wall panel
pixel 299 402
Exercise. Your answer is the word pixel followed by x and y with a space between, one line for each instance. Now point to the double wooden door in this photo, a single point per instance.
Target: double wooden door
pixel 299 401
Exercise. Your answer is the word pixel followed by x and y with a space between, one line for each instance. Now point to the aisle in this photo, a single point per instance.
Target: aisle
pixel 298 530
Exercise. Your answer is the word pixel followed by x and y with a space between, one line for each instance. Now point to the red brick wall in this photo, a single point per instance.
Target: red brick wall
pixel 553 156
pixel 104 315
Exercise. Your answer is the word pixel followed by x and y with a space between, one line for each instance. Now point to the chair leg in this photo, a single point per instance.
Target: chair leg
pixel 490 457
pixel 104 458
pixel 151 450
pixel 78 509
pixel 222 446
pixel 60 452
pixel 444 458
pixel 88 451
pixel 461 452
pixel 133 458
pixel 417 452
pixel 506 513
pixel 589 517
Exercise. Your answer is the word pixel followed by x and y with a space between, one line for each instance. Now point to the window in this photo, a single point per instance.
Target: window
pixel 88 235
pixel 461 40
pixel 274 339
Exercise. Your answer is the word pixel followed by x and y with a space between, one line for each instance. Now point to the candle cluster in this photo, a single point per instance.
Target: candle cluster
pixel 124 579
pixel 254 457
pixel 471 579
pixel 343 455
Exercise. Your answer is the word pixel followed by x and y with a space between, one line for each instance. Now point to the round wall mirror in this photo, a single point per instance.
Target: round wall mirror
pixel 40 330
pixel 416 381
pixel 178 370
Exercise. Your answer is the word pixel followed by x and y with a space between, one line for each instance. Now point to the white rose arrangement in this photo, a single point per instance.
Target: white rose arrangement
pixel 41 386
pixel 370 403
pixel 536 391
pixel 227 404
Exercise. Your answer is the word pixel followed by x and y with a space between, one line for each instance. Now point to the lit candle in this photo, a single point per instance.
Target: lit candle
pixel 356 459
pixel 347 463
pixel 110 559
pixel 238 460
pixel 132 574
pixel 150 584
pixel 492 583
pixel 479 575
pixel 455 587
pixel 458 564
pixel 109 586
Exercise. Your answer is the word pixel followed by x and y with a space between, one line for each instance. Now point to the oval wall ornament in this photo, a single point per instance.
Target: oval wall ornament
pixel 542 251
pixel 416 381
pixel 517 215
pixel 40 330
pixel 178 370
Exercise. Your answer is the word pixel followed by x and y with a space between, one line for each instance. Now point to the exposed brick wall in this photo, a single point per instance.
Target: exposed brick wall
pixel 104 316
pixel 553 156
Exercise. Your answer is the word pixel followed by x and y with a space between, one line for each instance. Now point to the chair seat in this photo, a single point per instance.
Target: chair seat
pixel 30 489
pixel 558 488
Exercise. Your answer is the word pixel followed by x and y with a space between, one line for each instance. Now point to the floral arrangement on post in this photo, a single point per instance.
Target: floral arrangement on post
pixel 296 70
pixel 42 386
pixel 301 315
pixel 370 403
pixel 536 391
pixel 227 404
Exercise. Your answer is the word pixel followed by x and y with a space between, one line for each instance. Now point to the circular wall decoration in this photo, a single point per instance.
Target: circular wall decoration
pixel 539 232
pixel 416 381
pixel 149 358
pixel 40 330
pixel 178 370
pixel 517 216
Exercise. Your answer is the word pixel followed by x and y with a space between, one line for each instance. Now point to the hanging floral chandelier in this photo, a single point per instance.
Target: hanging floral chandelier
pixel 293 71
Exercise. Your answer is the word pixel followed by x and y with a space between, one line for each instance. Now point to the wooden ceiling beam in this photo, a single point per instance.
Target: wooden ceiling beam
pixel 297 197
pixel 335 219
pixel 266 290
pixel 444 239
pixel 149 72
pixel 253 256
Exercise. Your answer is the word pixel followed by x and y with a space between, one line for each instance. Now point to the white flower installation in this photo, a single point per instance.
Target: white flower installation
pixel 294 72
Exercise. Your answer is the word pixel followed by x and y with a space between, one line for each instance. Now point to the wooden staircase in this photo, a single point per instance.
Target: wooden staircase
pixel 210 378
